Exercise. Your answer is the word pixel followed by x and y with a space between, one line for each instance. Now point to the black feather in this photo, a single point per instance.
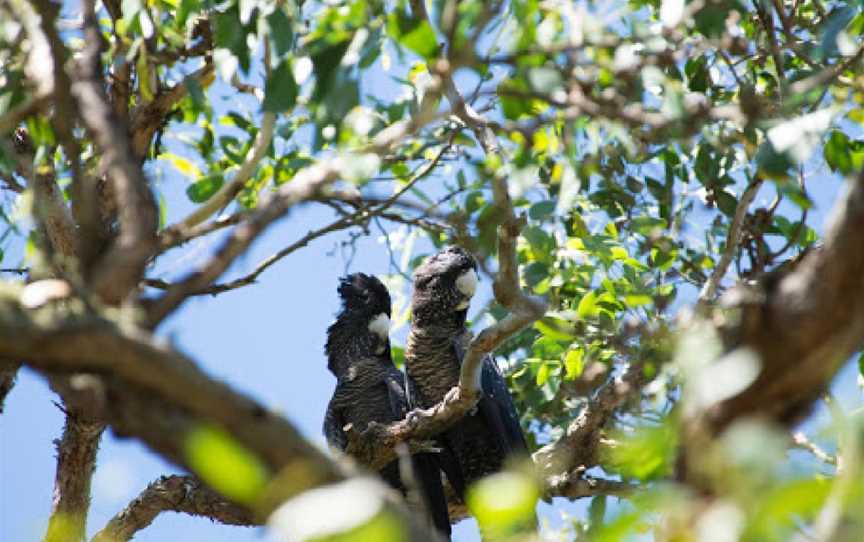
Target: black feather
pixel 370 389
pixel 484 439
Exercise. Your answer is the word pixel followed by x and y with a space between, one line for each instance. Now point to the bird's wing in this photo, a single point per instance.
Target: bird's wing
pixel 498 403
pixel 396 393
pixel 334 423
pixel 495 405
pixel 446 460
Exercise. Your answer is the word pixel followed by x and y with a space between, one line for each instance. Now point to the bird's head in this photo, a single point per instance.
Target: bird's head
pixel 362 326
pixel 444 285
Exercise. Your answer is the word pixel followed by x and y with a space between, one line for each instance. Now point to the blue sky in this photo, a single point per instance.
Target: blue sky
pixel 265 340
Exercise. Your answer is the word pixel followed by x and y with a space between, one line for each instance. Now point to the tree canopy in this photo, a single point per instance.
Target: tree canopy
pixel 666 196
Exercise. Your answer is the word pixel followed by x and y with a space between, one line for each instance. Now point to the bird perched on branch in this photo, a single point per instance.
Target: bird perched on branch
pixel 369 388
pixel 443 287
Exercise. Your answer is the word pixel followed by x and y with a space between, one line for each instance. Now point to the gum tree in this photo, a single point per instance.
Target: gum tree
pixel 638 178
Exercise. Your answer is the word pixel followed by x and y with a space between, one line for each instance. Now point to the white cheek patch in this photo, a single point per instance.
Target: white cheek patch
pixel 380 325
pixel 467 283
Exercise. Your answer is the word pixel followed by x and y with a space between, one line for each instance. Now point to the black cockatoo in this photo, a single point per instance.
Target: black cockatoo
pixel 369 388
pixel 443 287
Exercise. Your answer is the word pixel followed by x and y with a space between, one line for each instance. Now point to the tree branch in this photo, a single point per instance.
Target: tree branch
pixel 804 326
pixel 15 116
pixel 8 372
pixel 227 193
pixel 76 461
pixel 149 117
pixel 307 184
pixel 118 271
pixel 578 447
pixel 183 494
pixel 162 398
pixel 733 238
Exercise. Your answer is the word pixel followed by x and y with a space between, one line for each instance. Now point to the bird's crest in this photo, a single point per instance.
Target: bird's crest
pixel 364 293
pixel 450 261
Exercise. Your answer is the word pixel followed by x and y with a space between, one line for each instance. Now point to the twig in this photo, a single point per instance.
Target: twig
pixel 227 193
pixel 168 241
pixel 306 184
pixel 183 494
pixel 733 238
pixel 825 76
pixel 578 447
pixel 8 372
pixel 252 277
pixel 800 440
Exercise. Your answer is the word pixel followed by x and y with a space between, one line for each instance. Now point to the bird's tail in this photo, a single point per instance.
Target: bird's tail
pixel 428 475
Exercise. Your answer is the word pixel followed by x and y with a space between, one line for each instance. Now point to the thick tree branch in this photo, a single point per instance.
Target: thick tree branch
pixel 76 461
pixel 8 372
pixel 577 449
pixel 161 397
pixel 183 494
pixel 118 271
pixel 805 325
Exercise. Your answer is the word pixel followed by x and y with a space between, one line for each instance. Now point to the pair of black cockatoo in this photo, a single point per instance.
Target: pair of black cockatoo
pixel 369 388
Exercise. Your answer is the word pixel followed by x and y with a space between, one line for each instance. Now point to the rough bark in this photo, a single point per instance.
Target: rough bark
pixel 183 494
pixel 804 325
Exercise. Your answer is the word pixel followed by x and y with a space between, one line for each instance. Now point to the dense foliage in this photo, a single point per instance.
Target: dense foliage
pixel 659 151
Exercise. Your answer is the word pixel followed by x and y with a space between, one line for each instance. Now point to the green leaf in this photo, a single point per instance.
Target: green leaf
pixel 542 210
pixel 726 202
pixel 325 63
pixel 281 32
pixel 514 106
pixel 543 372
pixel 224 464
pixel 587 305
pixel 231 34
pixel 503 504
pixel 413 33
pixel 772 163
pixel 555 328
pixel 280 91
pixel 204 188
pixel 837 152
pixel 574 363
pixel 597 510
pixel 637 300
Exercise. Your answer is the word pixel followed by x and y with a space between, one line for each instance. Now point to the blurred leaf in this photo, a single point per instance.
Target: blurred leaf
pixel 573 363
pixel 587 307
pixel 646 454
pixel 280 91
pixel 224 464
pixel 281 32
pixel 412 33
pixel 204 188
pixel 503 504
